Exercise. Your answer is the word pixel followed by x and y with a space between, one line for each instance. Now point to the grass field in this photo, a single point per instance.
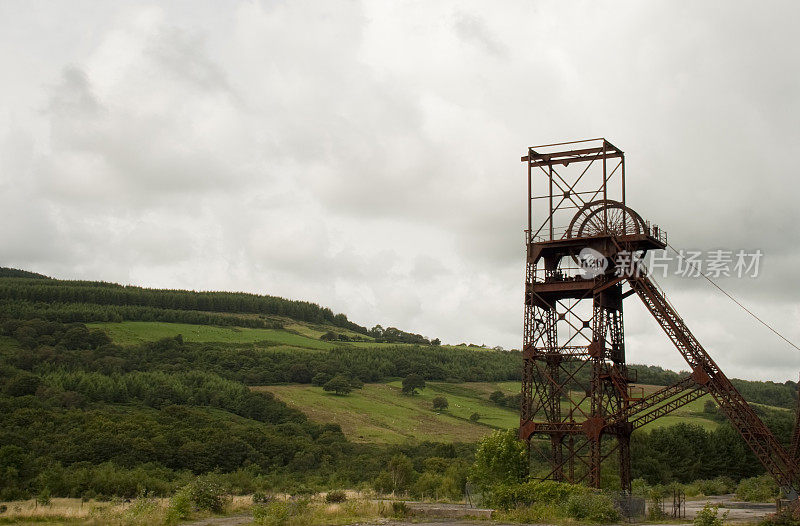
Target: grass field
pixel 380 413
pixel 692 412
pixel 133 332
pixel 313 330
pixel 294 334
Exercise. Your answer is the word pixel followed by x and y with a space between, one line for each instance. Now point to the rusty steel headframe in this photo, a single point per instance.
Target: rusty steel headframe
pixel 578 406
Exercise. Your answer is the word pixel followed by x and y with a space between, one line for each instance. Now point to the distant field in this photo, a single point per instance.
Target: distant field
pixel 690 413
pixel 132 332
pixel 313 330
pixel 381 413
pixel 294 334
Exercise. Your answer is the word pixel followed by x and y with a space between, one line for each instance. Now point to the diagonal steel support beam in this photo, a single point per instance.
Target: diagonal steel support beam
pixel 648 415
pixel 772 455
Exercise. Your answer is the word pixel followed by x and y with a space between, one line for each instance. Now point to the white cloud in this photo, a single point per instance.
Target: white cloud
pixel 366 155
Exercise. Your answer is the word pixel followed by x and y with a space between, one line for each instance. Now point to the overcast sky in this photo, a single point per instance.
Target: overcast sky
pixel 365 156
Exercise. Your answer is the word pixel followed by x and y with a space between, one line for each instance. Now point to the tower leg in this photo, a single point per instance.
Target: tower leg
pixel 594 462
pixel 557 452
pixel 625 462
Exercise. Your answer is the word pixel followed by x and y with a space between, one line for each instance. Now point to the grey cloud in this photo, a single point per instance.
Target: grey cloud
pixel 473 29
pixel 366 155
pixel 181 55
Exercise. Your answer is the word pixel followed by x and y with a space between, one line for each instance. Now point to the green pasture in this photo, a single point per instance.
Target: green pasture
pixel 133 332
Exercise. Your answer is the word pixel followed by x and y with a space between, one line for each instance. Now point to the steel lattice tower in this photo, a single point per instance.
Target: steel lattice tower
pixel 578 409
pixel 575 376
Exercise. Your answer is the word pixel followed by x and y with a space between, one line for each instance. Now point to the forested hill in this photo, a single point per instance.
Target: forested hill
pixel 37 288
pixel 27 294
pixel 6 272
pixel 114 390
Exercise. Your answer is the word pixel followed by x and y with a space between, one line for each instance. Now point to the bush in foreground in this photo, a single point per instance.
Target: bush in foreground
pixel 499 459
pixel 709 516
pixel 335 496
pixel 757 489
pixel 548 501
pixel 203 494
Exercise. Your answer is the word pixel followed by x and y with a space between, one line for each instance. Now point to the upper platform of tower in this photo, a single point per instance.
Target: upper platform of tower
pixel 576 196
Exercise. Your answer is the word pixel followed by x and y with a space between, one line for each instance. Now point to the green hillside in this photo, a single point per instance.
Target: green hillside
pixel 380 413
pixel 114 390
pixel 134 332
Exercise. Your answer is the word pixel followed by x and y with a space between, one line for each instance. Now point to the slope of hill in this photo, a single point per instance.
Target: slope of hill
pixel 6 272
pixel 125 389
pixel 380 413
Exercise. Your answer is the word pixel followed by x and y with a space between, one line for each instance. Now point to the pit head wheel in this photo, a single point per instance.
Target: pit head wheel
pixel 605 217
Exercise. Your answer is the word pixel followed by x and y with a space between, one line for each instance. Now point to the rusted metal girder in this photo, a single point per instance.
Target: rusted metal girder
pixel 647 416
pixel 772 455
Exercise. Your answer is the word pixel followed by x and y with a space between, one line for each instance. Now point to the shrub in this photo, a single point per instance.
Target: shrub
pixel 208 495
pixel 452 487
pixel 639 487
pixel 43 498
pixel 338 384
pixel 474 417
pixel 709 516
pixel 509 496
pixel 655 508
pixel 400 509
pixel 500 459
pixel 412 382
pixel 275 513
pixel 594 507
pixel 144 507
pixel 440 403
pixel 757 489
pixel 549 501
pixel 335 496
pixel 383 482
pixel 717 486
pixel 278 513
pixel 497 397
pixel 427 485
pixel 788 516
pixel 180 506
